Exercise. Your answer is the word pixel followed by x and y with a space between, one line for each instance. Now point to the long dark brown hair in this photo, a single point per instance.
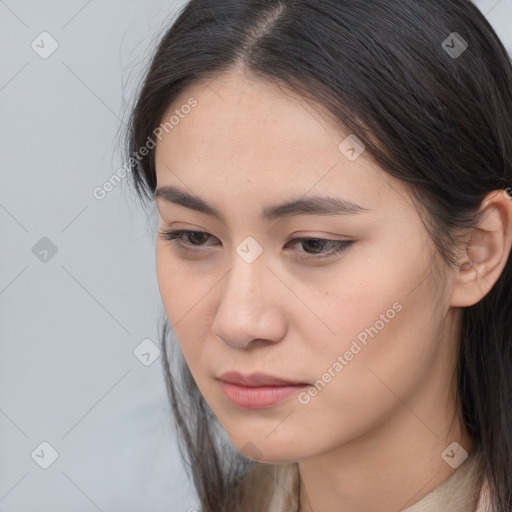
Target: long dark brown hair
pixel 440 122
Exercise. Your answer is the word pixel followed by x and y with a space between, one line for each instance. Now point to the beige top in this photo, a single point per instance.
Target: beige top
pixel 462 491
pixel 458 493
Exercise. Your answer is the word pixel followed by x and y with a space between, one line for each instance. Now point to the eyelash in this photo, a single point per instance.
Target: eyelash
pixel 176 237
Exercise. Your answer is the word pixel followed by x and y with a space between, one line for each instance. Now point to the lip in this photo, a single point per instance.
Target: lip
pixel 257 380
pixel 258 390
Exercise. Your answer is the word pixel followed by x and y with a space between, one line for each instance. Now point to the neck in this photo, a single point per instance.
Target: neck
pixel 390 467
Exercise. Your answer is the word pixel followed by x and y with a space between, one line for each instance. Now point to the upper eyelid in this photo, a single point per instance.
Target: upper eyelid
pixel 181 235
pixel 345 237
pixel 337 246
pixel 297 237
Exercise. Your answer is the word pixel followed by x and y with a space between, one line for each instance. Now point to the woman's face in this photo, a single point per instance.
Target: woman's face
pixel 367 328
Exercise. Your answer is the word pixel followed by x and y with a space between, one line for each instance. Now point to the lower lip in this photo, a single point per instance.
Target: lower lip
pixel 258 397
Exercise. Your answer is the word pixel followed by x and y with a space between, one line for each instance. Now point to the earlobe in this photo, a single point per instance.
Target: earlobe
pixel 487 251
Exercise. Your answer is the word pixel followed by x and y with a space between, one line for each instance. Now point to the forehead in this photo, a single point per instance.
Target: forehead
pixel 250 137
pixel 238 117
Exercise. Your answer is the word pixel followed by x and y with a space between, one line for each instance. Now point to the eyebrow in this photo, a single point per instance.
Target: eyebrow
pixel 312 205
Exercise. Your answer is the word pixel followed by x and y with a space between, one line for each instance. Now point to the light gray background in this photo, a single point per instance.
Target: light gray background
pixel 69 325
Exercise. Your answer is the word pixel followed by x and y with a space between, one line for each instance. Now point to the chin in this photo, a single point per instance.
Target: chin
pixel 268 451
pixel 271 457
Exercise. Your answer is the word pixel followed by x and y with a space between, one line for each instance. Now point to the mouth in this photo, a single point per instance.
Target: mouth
pixel 257 380
pixel 258 390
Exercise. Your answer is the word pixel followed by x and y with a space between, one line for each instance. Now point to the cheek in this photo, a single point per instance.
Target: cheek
pixel 346 301
pixel 383 293
pixel 379 300
pixel 388 327
pixel 179 285
pixel 168 278
pixel 181 291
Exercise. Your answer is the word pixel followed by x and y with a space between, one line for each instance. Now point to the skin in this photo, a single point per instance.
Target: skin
pixel 371 439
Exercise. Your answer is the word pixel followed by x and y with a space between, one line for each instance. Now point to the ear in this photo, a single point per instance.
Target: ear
pixel 487 251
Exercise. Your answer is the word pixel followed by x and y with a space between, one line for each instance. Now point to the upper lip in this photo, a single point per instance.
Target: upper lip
pixel 256 379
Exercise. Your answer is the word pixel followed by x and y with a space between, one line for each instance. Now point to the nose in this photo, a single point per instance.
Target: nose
pixel 250 310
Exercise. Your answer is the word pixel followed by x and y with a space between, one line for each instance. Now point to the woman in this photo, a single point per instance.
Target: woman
pixel 332 182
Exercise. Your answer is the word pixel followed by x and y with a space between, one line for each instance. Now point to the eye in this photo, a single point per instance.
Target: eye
pixel 318 243
pixel 177 236
pixel 337 246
